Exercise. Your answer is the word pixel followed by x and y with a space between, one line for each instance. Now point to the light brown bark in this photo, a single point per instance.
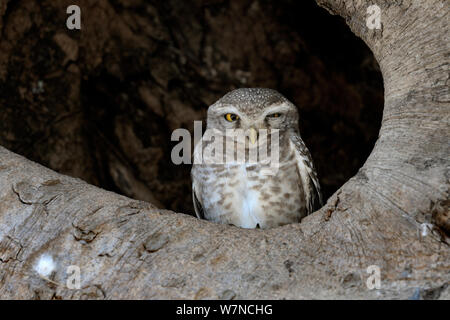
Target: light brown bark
pixel 130 249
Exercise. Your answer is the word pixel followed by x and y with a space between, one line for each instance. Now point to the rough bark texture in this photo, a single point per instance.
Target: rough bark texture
pixel 129 249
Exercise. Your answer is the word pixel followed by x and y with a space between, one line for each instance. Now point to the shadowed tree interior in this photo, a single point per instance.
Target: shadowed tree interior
pixel 101 103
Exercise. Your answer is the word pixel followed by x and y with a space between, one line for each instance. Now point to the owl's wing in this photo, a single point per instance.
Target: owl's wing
pixel 197 204
pixel 307 174
pixel 199 212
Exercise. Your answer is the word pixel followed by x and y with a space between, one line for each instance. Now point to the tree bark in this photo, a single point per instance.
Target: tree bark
pixel 383 216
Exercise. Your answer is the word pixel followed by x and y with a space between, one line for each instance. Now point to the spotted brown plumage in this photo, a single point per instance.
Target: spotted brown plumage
pixel 242 193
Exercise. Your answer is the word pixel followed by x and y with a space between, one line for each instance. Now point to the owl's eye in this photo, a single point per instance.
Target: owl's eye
pixel 274 115
pixel 230 117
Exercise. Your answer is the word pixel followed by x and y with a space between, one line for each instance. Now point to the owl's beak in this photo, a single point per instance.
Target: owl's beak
pixel 253 135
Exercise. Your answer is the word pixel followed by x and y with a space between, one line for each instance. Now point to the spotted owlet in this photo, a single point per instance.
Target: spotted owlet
pixel 258 193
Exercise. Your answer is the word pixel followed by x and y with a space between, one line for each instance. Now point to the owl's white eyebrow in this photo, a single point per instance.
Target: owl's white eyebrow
pixel 227 109
pixel 277 108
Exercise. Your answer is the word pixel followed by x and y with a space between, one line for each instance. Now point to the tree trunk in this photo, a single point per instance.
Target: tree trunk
pixel 392 214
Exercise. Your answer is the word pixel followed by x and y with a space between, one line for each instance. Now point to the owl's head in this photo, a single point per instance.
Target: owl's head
pixel 252 109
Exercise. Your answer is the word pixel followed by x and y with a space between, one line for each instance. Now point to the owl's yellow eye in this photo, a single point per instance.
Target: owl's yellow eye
pixel 274 115
pixel 230 117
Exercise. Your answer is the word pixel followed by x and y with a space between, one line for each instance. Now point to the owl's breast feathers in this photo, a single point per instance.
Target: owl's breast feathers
pixel 242 195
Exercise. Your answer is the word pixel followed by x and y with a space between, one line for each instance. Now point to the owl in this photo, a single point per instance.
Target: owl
pixel 245 193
